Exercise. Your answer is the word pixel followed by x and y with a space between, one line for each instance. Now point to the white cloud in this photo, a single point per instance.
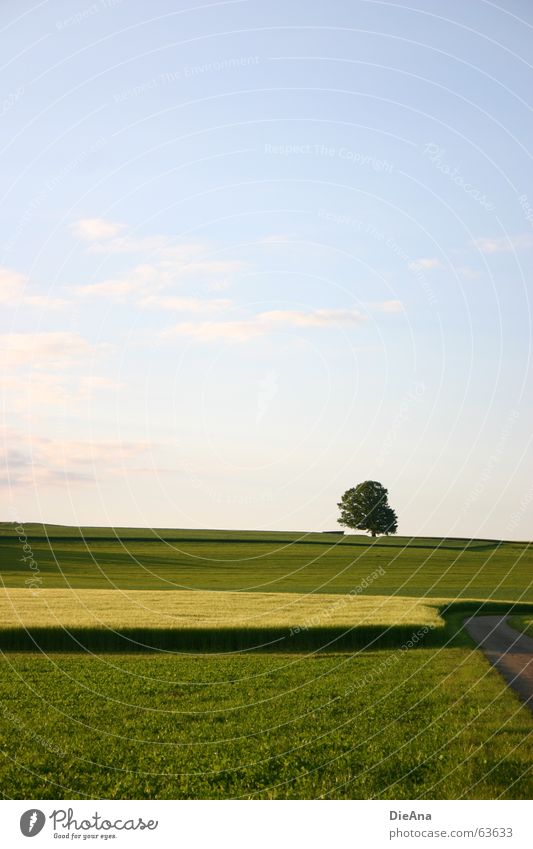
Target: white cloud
pixel 172 256
pixel 424 264
pixel 170 263
pixel 140 279
pixel 108 237
pixel 242 330
pixel 95 229
pixel 79 453
pixel 27 460
pixel 209 331
pixel 13 292
pixel 146 286
pixel 44 370
pixel 315 318
pixel 184 304
pixel 211 266
pixel 503 245
pixel 468 273
pixel 31 393
pixel 131 245
pixel 12 284
pixel 150 280
pixel 91 383
pixel 388 306
pixel 219 285
pixel 43 350
pixel 182 252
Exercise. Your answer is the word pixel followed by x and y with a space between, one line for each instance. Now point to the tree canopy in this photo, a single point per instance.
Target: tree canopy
pixel 365 507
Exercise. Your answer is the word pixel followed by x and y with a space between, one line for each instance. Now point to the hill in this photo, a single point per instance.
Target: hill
pixel 267 561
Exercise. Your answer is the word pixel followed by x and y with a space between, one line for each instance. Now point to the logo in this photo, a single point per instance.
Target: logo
pixel 32 822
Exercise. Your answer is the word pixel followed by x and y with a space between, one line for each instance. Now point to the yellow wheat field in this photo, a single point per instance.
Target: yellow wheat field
pixel 205 609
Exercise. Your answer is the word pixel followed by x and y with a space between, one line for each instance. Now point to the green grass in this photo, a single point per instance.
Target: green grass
pixel 268 562
pixel 391 725
pixel 522 623
pixel 287 687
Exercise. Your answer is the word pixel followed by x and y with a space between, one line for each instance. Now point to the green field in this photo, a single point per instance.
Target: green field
pixel 267 562
pixel 397 725
pixel 339 699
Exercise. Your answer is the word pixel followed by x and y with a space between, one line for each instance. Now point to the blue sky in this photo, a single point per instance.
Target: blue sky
pixel 253 254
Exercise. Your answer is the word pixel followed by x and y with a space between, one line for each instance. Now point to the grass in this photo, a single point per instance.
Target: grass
pixel 389 725
pixel 522 623
pixel 190 664
pixel 142 559
pixel 144 590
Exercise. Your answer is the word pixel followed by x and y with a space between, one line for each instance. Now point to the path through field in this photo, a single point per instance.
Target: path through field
pixel 508 650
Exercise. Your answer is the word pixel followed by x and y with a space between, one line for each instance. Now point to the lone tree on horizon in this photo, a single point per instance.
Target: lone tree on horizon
pixel 365 507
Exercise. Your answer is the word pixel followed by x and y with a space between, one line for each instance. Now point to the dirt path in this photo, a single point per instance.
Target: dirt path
pixel 508 650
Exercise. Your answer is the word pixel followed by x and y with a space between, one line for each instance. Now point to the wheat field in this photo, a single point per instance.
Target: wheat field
pixel 52 608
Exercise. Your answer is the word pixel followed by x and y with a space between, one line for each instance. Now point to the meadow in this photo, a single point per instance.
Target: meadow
pixel 187 664
pixel 382 724
pixel 268 562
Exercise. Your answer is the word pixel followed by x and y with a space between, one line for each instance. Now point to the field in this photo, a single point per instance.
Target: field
pixel 268 562
pixel 186 664
pixel 141 620
pixel 428 724
pixel 193 609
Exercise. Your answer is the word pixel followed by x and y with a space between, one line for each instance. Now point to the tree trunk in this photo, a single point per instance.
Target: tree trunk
pixel 373 533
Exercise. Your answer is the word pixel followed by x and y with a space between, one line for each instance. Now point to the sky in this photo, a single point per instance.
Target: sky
pixel 252 254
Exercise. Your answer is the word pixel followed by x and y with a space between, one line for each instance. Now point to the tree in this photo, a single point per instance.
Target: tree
pixel 365 507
